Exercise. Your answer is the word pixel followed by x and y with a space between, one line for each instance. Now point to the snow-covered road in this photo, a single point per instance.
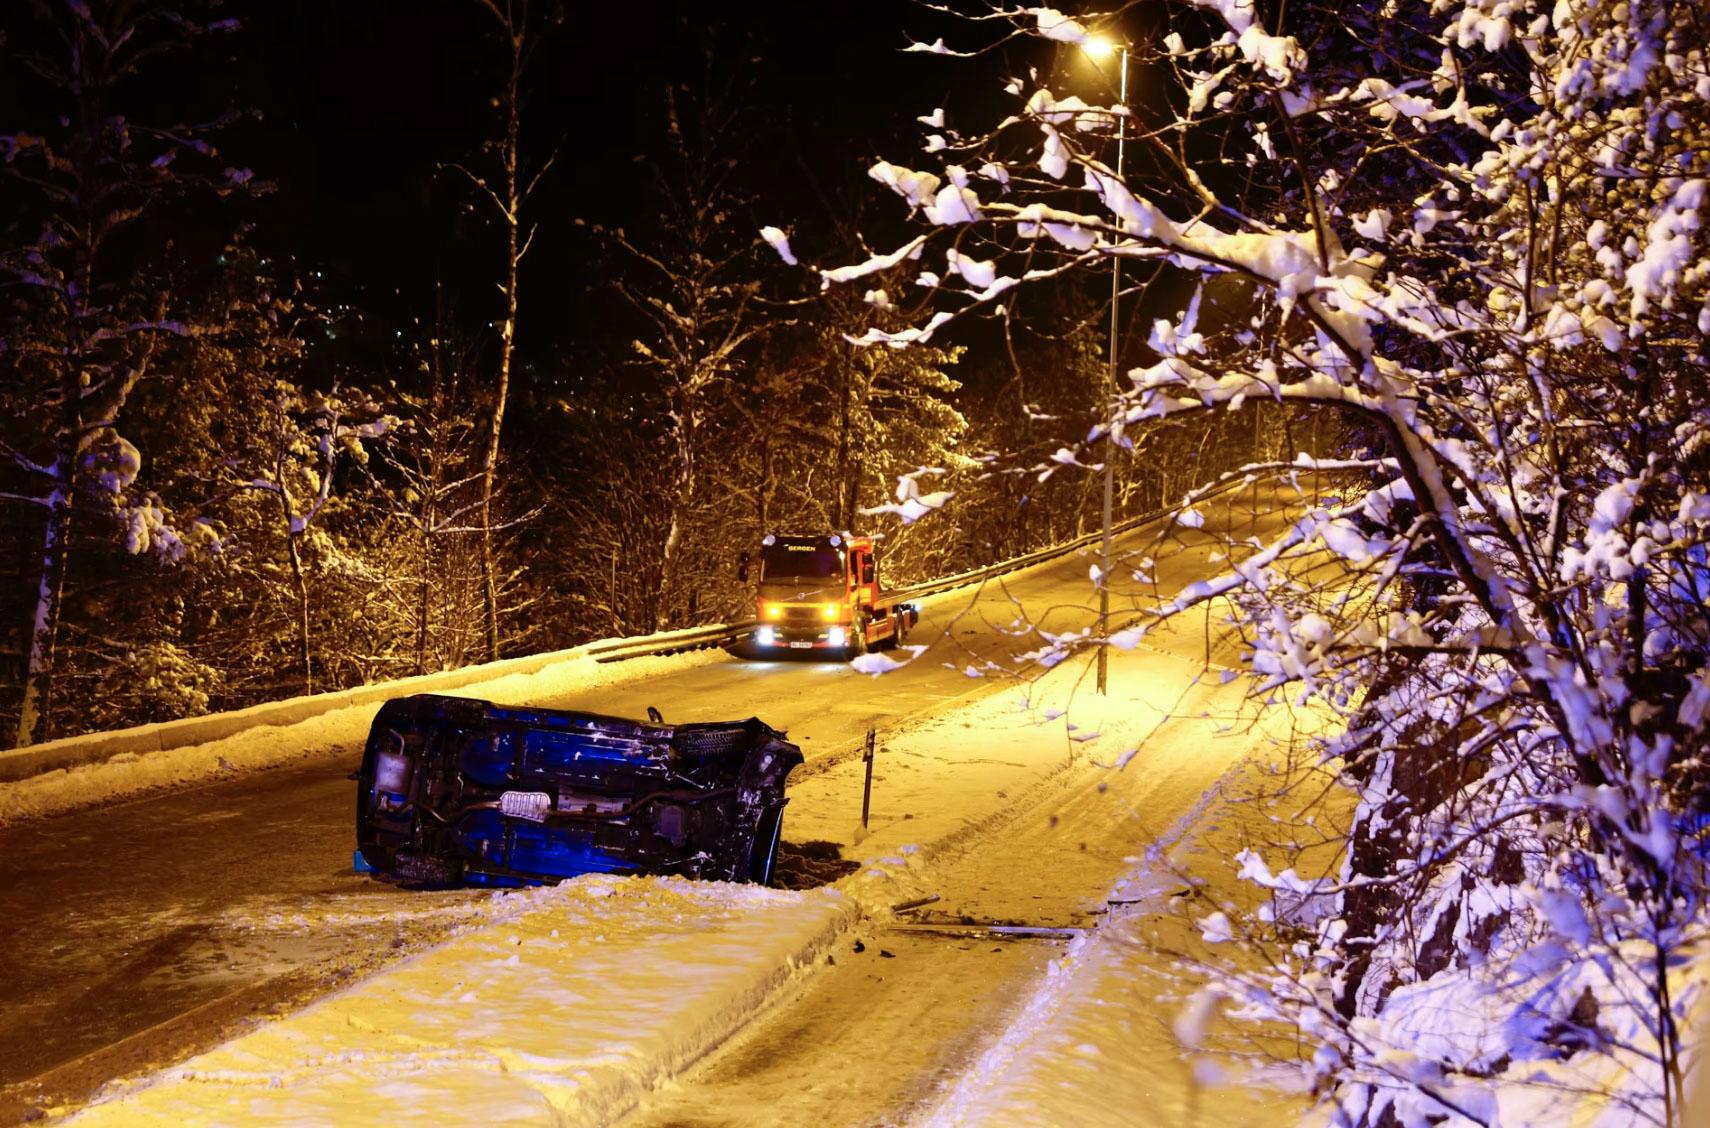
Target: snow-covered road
pixel 197 909
pixel 918 999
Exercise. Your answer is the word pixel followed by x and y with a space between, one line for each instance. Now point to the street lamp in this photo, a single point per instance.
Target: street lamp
pixel 1099 48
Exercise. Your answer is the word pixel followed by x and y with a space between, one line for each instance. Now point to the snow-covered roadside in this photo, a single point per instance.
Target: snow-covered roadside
pixel 561 1015
pixel 335 732
pixel 1122 1021
pixel 1113 1027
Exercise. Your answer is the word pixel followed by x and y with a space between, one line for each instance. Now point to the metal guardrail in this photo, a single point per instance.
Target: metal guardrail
pixel 671 642
pixel 1039 556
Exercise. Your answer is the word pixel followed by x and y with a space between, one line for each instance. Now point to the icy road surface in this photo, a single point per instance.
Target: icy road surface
pixel 141 930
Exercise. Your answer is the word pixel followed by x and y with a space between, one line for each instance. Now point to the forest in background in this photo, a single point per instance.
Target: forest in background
pixel 234 473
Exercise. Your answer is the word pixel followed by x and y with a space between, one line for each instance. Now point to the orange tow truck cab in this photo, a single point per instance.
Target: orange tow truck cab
pixel 822 593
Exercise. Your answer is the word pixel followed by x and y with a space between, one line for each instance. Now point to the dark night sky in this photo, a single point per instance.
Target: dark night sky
pixel 363 98
pixel 358 103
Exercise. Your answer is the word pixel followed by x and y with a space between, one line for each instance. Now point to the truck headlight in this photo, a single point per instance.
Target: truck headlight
pixel 829 611
pixel 765 636
pixel 774 610
pixel 835 636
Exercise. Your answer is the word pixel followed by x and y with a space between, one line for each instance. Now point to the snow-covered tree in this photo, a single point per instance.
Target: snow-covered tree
pixel 695 285
pixel 1472 233
pixel 430 476
pixel 881 410
pixel 503 183
pixel 87 288
pixel 301 439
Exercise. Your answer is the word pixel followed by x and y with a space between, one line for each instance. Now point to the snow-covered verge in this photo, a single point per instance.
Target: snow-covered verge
pixel 1120 1023
pixel 1152 1009
pixel 559 1016
pixel 1524 1033
pixel 1143 1013
pixel 1103 1036
pixel 334 731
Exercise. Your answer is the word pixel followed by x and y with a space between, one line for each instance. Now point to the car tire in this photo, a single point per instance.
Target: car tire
pixel 889 642
pixel 857 641
pixel 425 871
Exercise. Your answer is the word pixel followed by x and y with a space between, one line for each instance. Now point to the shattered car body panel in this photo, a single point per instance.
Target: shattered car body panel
pixel 453 790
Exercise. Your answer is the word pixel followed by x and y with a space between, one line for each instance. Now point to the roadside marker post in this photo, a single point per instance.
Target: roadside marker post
pixel 867 789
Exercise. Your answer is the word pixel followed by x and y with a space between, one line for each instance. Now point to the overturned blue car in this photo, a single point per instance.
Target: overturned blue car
pixel 458 791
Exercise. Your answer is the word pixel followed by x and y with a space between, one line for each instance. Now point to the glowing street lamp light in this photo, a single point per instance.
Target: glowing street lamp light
pixel 1099 48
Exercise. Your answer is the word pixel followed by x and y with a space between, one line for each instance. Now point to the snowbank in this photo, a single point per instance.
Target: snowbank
pixel 1098 1042
pixel 563 1015
pixel 281 733
pixel 1113 1033
pixel 1114 1026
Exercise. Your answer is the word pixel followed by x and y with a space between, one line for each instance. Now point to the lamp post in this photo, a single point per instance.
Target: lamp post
pixel 1099 48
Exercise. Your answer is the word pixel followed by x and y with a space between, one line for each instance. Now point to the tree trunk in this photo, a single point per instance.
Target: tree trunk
pixel 682 496
pixel 763 488
pixel 300 583
pixel 841 517
pixel 507 343
pixel 34 719
pixel 424 593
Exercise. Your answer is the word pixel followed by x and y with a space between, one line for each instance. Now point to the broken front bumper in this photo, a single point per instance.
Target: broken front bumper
pixel 456 790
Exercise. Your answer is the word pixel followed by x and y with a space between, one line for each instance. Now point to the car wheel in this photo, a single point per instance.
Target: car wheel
pixel 425 871
pixel 891 641
pixel 857 641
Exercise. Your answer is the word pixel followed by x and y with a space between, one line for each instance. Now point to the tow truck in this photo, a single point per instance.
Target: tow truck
pixel 821 593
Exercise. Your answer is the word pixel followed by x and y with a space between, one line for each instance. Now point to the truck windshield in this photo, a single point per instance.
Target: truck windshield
pixel 802 562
